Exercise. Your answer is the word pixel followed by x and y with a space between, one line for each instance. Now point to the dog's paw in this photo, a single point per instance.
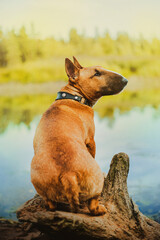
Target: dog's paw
pixel 99 210
pixel 51 205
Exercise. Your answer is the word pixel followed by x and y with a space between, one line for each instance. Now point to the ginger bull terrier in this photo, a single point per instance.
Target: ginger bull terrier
pixel 64 168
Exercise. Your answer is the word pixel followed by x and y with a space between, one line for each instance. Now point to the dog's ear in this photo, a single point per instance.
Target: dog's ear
pixel 71 70
pixel 77 63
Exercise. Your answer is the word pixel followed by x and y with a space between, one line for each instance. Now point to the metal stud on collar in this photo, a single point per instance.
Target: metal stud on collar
pixel 63 94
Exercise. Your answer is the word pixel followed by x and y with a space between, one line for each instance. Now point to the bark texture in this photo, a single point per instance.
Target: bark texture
pixel 123 219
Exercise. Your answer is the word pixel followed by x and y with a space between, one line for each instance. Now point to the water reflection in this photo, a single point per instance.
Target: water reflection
pixel 135 132
pixel 16 152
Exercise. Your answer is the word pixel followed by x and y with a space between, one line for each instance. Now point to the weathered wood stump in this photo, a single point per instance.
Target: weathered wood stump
pixel 122 221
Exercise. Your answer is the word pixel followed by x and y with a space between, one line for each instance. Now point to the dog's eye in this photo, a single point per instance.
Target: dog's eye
pixel 97 73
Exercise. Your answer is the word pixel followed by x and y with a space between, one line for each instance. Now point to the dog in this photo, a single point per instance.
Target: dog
pixel 64 168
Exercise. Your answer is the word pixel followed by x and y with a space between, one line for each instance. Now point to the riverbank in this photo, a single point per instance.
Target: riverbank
pixel 13 89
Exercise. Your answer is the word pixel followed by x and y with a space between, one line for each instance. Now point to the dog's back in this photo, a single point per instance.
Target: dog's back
pixel 61 157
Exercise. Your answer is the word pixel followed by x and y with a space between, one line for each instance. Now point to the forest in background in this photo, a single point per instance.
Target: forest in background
pixel 26 58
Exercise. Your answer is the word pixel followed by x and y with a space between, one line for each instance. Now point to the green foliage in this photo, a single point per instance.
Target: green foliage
pixel 52 69
pixel 35 73
pixel 26 58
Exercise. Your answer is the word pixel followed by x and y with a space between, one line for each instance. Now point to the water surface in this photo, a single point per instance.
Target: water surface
pixel 136 132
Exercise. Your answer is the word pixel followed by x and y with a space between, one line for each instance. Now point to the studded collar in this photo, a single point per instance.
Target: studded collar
pixel 65 95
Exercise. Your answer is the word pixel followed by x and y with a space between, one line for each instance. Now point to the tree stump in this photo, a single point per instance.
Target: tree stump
pixel 123 219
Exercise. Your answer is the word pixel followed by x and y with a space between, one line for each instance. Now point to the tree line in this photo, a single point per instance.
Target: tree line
pixel 20 47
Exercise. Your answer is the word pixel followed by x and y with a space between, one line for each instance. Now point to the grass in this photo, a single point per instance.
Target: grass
pixel 33 72
pixel 52 69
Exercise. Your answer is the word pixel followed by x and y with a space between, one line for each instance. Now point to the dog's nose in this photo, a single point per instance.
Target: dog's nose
pixel 124 80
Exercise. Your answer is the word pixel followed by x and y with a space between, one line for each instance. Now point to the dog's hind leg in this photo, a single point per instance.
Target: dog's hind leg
pixel 71 189
pixel 51 205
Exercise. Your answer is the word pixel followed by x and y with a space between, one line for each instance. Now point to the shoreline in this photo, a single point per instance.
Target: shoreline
pixel 13 89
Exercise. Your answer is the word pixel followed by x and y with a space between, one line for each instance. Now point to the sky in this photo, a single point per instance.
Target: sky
pixel 57 17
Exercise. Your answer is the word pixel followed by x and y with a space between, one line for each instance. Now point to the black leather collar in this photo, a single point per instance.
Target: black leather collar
pixel 65 95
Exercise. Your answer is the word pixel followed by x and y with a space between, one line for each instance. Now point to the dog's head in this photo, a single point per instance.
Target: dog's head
pixel 94 82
